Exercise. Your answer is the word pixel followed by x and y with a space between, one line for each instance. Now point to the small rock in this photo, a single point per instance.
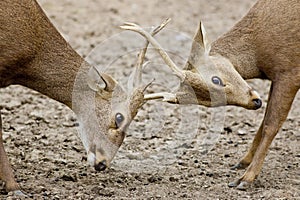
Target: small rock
pixel 71 117
pixel 132 189
pixel 69 124
pixel 181 163
pixel 66 177
pixel 12 104
pixel 209 174
pixel 37 115
pixel 173 179
pixel 185 146
pixel 228 129
pixel 29 122
pixel 19 129
pixel 152 179
pixel 241 132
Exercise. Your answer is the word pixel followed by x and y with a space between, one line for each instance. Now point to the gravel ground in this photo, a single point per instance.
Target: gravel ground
pixel 161 156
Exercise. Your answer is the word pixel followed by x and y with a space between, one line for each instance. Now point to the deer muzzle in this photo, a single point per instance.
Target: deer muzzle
pixel 256 100
pixel 98 161
pixel 257 103
pixel 101 166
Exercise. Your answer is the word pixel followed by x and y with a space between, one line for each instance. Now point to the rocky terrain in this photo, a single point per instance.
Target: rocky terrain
pixel 161 157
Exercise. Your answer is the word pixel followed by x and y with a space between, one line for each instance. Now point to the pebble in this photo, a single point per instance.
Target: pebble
pixel 14 103
pixel 242 132
pixel 36 114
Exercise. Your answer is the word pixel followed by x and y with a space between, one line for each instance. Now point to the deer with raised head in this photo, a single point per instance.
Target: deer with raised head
pixel 34 54
pixel 264 44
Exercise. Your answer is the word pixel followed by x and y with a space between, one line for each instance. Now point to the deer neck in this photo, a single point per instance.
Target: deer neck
pixel 53 74
pixel 54 65
pixel 237 45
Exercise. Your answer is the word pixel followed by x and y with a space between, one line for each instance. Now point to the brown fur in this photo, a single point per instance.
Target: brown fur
pixel 27 51
pixel 265 44
pixel 196 79
pixel 35 55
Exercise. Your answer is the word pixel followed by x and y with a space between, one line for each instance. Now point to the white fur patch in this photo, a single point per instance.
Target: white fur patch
pixel 256 94
pixel 83 136
pixel 91 158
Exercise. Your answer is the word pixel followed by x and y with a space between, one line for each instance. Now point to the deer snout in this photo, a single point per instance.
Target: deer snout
pixel 257 103
pixel 100 166
pixel 256 100
pixel 98 161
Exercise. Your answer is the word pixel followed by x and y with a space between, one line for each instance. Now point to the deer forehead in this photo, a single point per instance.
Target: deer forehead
pixel 223 67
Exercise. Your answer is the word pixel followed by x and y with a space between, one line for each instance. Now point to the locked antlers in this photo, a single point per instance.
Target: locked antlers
pixel 136 28
pixel 165 96
pixel 136 79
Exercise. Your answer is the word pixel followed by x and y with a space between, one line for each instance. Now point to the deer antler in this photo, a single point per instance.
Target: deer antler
pixel 165 96
pixel 144 50
pixel 168 97
pixel 136 28
pixel 137 74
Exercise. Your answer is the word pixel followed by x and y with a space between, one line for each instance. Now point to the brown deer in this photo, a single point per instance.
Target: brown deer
pixel 35 55
pixel 264 44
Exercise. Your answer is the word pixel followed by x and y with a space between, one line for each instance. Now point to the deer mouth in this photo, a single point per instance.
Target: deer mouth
pixel 101 166
pixel 98 161
pixel 257 103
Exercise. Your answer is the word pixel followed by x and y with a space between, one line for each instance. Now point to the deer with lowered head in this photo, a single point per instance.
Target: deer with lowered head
pixel 34 54
pixel 264 44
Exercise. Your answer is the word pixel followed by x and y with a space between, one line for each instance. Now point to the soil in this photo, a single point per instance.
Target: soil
pixel 162 156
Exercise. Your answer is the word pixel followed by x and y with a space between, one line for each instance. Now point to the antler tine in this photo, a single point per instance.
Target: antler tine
pixel 165 96
pixel 134 27
pixel 142 54
pixel 161 26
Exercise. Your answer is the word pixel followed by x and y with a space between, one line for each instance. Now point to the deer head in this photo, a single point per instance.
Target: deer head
pixel 105 110
pixel 210 78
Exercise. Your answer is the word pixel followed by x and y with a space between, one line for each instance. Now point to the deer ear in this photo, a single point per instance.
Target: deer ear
pixel 201 38
pixel 98 81
pixel 200 47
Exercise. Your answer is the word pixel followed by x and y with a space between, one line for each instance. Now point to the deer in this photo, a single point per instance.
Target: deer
pixel 35 55
pixel 264 44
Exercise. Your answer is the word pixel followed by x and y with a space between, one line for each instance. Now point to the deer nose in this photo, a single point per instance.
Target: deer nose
pixel 257 103
pixel 101 166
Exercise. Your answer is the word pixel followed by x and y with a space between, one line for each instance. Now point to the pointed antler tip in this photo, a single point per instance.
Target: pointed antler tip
pixel 168 20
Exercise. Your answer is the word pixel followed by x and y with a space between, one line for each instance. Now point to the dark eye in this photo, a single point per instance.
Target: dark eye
pixel 119 118
pixel 217 81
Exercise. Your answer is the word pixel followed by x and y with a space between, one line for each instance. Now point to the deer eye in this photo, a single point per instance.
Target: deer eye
pixel 217 81
pixel 119 118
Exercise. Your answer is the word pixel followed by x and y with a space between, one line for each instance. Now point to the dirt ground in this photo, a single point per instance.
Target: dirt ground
pixel 161 157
